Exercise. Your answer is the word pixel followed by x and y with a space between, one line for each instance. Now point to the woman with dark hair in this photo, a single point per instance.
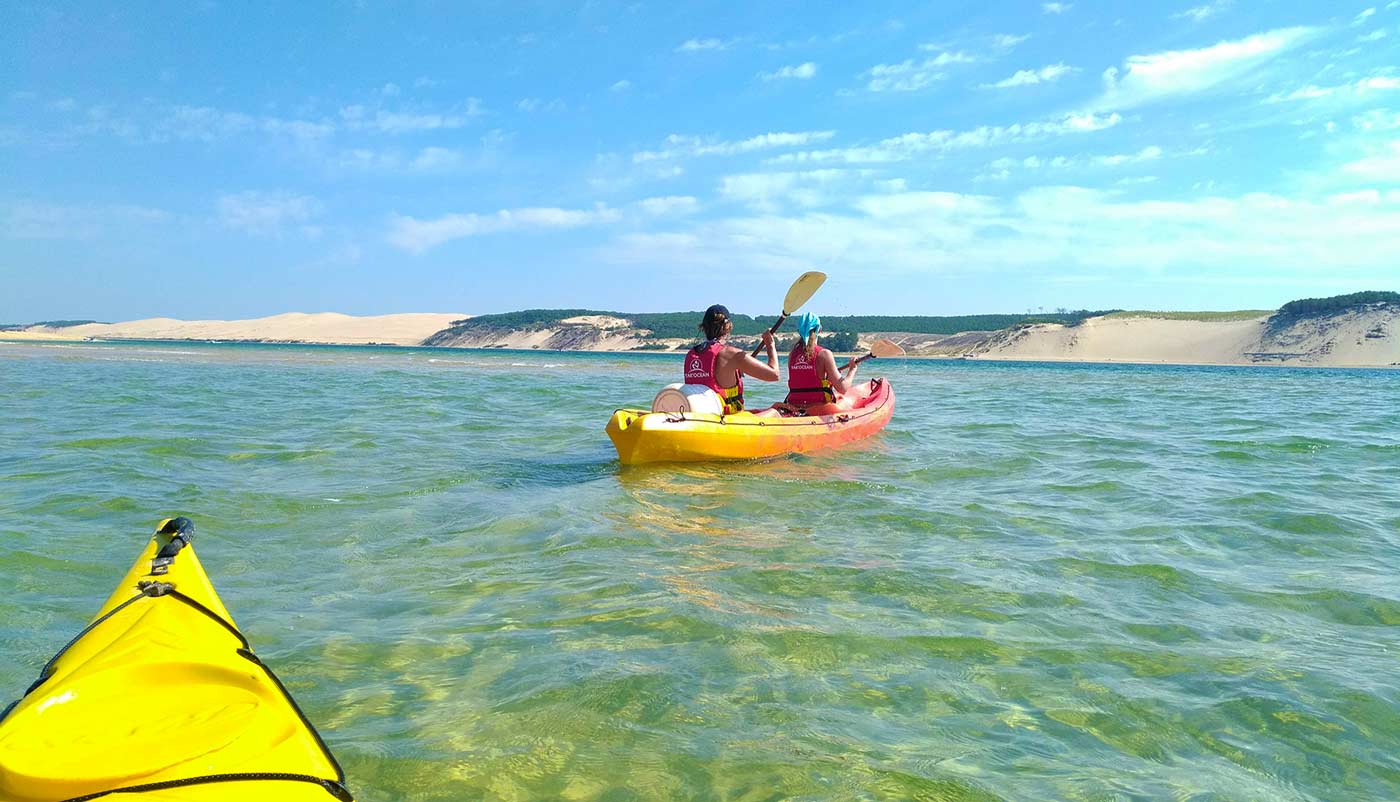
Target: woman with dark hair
pixel 722 367
pixel 814 383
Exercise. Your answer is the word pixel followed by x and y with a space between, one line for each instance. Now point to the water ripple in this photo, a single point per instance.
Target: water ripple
pixel 1042 582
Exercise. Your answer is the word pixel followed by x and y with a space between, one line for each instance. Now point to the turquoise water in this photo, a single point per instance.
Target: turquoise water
pixel 1040 582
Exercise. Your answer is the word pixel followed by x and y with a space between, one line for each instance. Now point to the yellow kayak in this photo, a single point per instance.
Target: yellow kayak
pixel 641 436
pixel 161 698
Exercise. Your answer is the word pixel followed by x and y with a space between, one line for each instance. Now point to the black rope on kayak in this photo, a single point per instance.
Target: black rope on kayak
pixel 47 670
pixel 173 593
pixel 247 654
pixel 146 589
pixel 335 788
pixel 180 530
pixel 150 589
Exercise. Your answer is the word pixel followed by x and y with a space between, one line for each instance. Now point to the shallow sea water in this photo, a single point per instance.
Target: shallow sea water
pixel 1040 582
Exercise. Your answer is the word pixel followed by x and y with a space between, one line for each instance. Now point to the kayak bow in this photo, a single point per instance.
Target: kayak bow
pixel 160 697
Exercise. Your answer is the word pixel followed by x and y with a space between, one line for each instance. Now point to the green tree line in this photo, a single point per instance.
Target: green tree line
pixel 1317 307
pixel 683 325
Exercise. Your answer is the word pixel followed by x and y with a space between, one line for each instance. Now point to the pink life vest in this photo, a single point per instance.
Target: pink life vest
pixel 700 369
pixel 804 384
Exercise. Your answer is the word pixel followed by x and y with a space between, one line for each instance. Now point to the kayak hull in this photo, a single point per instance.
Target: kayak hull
pixel 161 698
pixel 643 437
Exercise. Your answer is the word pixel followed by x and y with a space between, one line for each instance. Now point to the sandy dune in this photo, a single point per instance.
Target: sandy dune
pixel 1356 338
pixel 1129 340
pixel 322 327
pixel 599 321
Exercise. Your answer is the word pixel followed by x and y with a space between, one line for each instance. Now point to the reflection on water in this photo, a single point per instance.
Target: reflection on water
pixel 1040 582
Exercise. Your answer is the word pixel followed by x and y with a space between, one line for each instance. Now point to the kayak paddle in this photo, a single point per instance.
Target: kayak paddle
pixel 879 348
pixel 798 294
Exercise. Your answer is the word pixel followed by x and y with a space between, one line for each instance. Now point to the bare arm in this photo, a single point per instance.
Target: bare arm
pixel 749 366
pixel 838 383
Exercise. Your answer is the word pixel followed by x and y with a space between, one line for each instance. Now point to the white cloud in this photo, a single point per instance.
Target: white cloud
pixel 1002 169
pixel 416 236
pixel 1147 154
pixel 924 204
pixel 1060 231
pixel 1383 166
pixel 621 86
pixel 668 205
pixel 428 160
pixel 1376 120
pixel 194 124
pixel 1357 90
pixel 358 117
pixel 771 191
pixel 390 90
pixel 1006 41
pixel 911 145
pixel 1203 12
pixel 266 213
pixel 1363 16
pixel 534 104
pixel 1366 196
pixel 803 71
pixel 1148 78
pixel 698 45
pixel 1044 75
pixel 1305 93
pixel 678 145
pixel 424 82
pixel 30 220
pixel 1374 36
pixel 435 160
pixel 910 75
pixel 1056 8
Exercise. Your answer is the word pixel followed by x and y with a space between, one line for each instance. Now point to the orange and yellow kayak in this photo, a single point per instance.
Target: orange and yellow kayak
pixel 161 698
pixel 641 436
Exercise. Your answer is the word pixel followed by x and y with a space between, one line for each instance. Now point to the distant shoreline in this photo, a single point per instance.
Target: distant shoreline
pixel 1356 330
pixel 26 338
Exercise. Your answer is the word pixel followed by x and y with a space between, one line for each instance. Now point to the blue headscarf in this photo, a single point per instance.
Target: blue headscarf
pixel 807 324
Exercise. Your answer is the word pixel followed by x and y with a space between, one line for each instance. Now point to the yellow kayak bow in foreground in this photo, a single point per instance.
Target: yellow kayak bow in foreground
pixel 161 698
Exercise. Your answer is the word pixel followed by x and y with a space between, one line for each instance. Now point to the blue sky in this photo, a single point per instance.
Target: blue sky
pixel 230 160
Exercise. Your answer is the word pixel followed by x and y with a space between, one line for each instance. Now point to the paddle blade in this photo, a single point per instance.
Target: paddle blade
pixel 802 290
pixel 884 349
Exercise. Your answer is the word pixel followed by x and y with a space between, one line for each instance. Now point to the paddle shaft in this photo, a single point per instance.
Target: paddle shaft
pixel 774 330
pixel 855 362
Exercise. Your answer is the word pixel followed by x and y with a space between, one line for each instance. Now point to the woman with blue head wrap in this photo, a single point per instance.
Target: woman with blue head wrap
pixel 814 383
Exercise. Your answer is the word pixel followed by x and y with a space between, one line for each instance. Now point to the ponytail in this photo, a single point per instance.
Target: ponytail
pixel 811 345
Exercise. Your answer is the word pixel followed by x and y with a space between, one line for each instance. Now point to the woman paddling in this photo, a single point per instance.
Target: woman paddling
pixel 722 367
pixel 814 384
